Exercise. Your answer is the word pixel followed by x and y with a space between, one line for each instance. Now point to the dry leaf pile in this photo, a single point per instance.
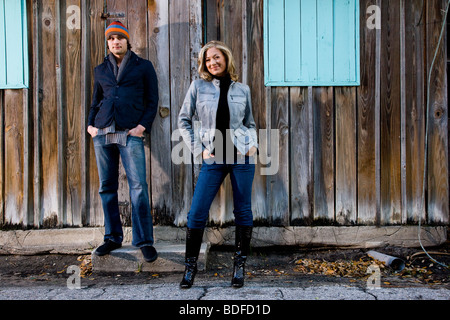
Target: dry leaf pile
pixel 417 269
pixel 422 271
pixel 85 266
pixel 339 268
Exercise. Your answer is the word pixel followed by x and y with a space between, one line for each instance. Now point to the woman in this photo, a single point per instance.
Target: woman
pixel 225 136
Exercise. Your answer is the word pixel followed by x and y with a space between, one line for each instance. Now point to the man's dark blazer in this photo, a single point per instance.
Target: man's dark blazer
pixel 130 100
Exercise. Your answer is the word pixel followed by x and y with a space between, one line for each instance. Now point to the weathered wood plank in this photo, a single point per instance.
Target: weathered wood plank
pixel 301 159
pixel 390 152
pixel 403 109
pixel 48 126
pixel 345 142
pixel 61 213
pixel 14 157
pixel 36 32
pixel 366 130
pixel 117 10
pixel 255 79
pixel 2 159
pixel 212 23
pixel 28 96
pixel 84 109
pixel 231 26
pixel 324 183
pixel 72 106
pixel 438 185
pixel 27 160
pixel 96 55
pixel 196 40
pixel 415 109
pixel 182 182
pixel 161 164
pixel 137 26
pixel 278 183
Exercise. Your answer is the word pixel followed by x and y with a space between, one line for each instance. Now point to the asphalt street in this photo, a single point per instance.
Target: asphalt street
pixel 220 290
pixel 273 287
pixel 212 299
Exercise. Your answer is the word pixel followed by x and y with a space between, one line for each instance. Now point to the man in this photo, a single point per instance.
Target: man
pixel 124 105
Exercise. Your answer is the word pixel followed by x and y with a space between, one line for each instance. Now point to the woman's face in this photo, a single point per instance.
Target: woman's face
pixel 215 62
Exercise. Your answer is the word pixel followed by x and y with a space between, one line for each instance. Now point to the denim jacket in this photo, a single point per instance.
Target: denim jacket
pixel 201 102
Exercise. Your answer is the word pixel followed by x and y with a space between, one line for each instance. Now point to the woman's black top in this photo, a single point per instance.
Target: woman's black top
pixel 223 121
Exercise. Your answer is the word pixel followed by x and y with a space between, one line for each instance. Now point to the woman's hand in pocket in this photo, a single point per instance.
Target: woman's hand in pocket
pixel 251 152
pixel 207 155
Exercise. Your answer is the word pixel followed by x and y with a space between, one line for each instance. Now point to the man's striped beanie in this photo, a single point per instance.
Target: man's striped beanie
pixel 117 28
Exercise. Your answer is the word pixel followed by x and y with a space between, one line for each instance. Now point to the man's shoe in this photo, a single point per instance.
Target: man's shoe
pixel 149 253
pixel 107 247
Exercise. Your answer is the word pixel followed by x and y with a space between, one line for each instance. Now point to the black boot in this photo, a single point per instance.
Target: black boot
pixel 193 242
pixel 243 237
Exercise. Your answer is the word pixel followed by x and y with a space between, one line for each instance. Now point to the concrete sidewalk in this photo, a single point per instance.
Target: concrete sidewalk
pixel 84 240
pixel 130 259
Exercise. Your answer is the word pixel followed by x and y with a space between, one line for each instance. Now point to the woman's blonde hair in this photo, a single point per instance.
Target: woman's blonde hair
pixel 203 70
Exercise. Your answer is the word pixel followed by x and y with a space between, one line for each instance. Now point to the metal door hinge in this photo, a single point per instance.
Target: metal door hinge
pixel 107 15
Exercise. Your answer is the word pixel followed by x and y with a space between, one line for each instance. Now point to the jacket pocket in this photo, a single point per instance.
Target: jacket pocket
pixel 238 98
pixel 204 104
pixel 104 114
pixel 139 106
pixel 205 96
pixel 243 136
pixel 237 105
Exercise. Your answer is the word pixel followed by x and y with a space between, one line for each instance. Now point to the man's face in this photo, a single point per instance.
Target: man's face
pixel 118 45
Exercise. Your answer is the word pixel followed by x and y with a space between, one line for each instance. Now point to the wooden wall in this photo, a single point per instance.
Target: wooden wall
pixel 347 155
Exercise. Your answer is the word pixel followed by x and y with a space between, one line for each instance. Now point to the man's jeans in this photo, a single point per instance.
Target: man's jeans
pixel 133 160
pixel 209 180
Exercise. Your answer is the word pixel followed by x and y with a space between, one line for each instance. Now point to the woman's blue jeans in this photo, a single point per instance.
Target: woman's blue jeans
pixel 133 160
pixel 210 178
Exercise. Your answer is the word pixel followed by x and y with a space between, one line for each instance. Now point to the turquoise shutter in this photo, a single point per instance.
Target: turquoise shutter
pixel 13 45
pixel 311 42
